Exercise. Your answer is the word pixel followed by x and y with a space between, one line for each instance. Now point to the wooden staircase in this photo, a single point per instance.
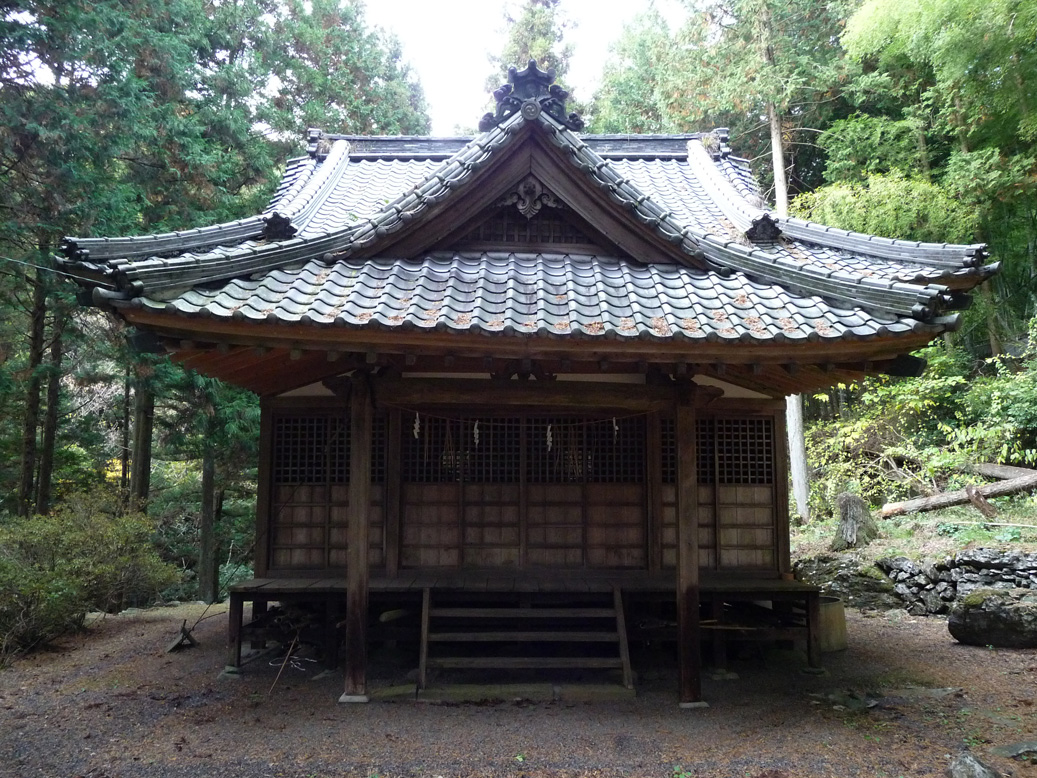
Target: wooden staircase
pixel 519 634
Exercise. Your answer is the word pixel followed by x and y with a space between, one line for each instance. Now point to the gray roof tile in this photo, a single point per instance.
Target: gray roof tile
pixel 706 202
pixel 541 294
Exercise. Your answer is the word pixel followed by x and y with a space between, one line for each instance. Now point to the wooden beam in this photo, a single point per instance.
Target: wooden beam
pixel 688 553
pixel 357 571
pixel 400 340
pixel 408 392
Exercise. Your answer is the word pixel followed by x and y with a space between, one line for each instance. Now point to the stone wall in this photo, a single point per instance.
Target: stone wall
pixel 920 587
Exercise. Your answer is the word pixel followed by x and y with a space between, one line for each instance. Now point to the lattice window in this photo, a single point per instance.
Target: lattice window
pixel 379 436
pixel 431 451
pixel 314 449
pixel 510 226
pixel 492 450
pixel 745 450
pixel 555 450
pixel 669 450
pixel 310 449
pixel 473 450
pixel 705 431
pixel 616 451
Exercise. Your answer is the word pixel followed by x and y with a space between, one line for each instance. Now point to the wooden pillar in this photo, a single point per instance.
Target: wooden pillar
pixel 782 551
pixel 392 498
pixel 265 489
pixel 654 492
pixel 688 553
pixel 357 573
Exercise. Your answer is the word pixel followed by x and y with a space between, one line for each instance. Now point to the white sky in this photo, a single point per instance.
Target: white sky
pixel 448 43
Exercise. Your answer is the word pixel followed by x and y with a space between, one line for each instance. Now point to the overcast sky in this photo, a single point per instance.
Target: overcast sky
pixel 448 42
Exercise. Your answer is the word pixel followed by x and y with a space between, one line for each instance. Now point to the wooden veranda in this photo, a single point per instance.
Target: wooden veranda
pixel 795 607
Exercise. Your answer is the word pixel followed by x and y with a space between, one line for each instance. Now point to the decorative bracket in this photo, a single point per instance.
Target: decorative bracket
pixel 278 227
pixel 529 197
pixel 531 91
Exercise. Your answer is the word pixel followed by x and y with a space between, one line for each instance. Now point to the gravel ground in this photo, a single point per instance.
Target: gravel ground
pixel 901 701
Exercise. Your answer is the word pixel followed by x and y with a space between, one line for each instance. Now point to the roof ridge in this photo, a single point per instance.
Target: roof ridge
pixel 187 270
pixel 909 251
pixel 301 208
pixel 86 249
pixel 756 223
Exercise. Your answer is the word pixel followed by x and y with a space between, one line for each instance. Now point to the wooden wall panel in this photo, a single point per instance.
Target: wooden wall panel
pixel 431 525
pixel 555 525
pixel 746 521
pixel 616 525
pixel 491 525
pixel 707 531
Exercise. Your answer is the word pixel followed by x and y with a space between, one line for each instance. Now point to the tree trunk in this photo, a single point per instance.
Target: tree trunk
pixel 793 403
pixel 143 421
pixel 31 416
pixel 50 419
pixel 960 497
pixel 798 455
pixel 1001 472
pixel 208 576
pixel 781 182
pixel 990 309
pixel 856 527
pixel 124 454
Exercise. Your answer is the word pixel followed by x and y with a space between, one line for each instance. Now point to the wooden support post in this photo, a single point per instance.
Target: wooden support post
pixel 814 630
pixel 235 617
pixel 426 606
pixel 688 553
pixel 654 497
pixel 357 573
pixel 392 497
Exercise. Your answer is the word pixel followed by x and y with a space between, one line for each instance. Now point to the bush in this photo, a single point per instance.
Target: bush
pixel 84 556
pixel 909 436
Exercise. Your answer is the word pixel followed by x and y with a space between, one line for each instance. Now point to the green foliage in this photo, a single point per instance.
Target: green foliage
pixel 864 145
pixel 629 99
pixel 892 206
pixel 722 67
pixel 85 556
pixel 536 32
pixel 333 72
pixel 980 53
pixel 917 435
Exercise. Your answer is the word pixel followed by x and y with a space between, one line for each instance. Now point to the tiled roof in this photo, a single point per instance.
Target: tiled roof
pixel 352 195
pixel 533 294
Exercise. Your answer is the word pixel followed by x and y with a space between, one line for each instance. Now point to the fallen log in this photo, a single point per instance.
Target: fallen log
pixel 1001 472
pixel 960 497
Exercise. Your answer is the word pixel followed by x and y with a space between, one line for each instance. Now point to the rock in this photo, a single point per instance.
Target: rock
pixel 851 578
pixel 965 765
pixel 996 617
pixel 934 603
pixel 1024 750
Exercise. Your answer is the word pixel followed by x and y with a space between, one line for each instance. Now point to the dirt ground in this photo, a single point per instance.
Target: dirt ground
pixel 901 701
